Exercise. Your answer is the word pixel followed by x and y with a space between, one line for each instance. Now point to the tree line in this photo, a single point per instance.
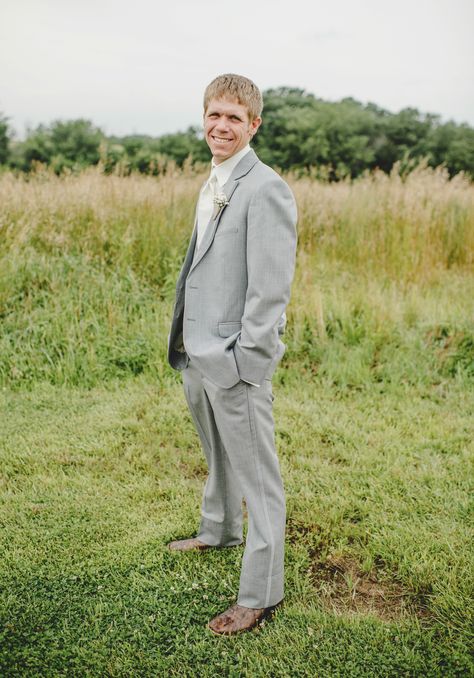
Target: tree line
pixel 300 132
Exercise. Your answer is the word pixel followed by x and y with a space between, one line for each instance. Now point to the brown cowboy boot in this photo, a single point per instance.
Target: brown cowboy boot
pixel 239 618
pixel 192 544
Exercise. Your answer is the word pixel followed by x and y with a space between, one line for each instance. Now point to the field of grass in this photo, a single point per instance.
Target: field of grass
pixel 100 464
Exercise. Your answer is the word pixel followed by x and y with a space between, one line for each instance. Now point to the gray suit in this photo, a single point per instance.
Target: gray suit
pixel 229 314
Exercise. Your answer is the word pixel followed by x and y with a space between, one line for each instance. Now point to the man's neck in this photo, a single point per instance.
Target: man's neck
pixel 217 161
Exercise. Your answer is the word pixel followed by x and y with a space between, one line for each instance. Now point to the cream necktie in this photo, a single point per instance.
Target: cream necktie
pixel 206 206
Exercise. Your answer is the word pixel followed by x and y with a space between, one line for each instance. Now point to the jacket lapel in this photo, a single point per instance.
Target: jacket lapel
pixel 188 258
pixel 242 168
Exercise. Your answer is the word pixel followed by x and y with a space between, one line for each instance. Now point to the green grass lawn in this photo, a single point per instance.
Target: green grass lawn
pixel 100 464
pixel 378 559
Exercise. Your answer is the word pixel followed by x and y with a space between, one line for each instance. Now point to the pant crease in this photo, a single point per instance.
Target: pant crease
pixel 254 437
pixel 226 523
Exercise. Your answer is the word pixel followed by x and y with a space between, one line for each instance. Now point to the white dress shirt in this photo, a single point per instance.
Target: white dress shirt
pixel 206 206
pixel 224 169
pixel 219 176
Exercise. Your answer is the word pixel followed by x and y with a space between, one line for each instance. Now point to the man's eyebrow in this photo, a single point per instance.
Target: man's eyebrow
pixel 230 115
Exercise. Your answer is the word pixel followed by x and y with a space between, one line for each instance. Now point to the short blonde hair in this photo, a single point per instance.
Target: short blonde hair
pixel 232 86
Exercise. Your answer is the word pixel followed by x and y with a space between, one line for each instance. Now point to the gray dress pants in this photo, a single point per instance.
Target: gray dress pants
pixel 236 429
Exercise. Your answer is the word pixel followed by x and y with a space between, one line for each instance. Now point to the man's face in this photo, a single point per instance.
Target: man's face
pixel 227 128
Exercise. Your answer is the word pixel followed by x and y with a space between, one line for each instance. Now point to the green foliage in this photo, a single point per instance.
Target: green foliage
pixel 61 145
pixel 182 145
pixel 299 132
pixel 4 140
pixel 452 145
pixel 151 156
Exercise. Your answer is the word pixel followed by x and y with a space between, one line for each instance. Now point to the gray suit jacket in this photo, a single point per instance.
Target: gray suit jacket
pixel 232 293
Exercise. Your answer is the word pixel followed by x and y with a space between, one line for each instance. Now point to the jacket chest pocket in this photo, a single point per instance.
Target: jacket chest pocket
pixel 222 233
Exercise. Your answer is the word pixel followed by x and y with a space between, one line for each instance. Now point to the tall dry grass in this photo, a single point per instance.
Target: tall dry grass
pixel 136 222
pixel 407 228
pixel 88 265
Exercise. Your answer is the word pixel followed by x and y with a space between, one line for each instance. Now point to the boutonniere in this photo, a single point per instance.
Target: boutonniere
pixel 220 201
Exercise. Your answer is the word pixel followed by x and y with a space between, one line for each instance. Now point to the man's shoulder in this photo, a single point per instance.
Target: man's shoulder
pixel 265 171
pixel 262 174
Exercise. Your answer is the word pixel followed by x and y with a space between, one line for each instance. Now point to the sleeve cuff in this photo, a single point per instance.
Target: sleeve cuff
pixel 251 383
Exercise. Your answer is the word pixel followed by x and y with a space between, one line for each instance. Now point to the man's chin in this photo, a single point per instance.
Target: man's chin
pixel 220 155
pixel 219 152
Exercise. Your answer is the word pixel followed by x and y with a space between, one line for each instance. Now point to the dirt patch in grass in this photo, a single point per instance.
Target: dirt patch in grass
pixel 192 469
pixel 345 588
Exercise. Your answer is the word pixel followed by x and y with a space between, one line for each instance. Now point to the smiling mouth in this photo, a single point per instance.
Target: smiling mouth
pixel 220 140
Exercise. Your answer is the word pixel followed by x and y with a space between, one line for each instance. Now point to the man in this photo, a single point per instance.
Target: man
pixel 229 313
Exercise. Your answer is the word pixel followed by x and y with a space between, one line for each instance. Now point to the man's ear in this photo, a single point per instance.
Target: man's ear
pixel 255 124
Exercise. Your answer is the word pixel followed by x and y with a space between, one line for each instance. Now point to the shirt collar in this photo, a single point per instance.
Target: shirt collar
pixel 225 169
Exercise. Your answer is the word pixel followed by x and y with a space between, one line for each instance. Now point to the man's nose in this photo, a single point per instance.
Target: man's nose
pixel 222 124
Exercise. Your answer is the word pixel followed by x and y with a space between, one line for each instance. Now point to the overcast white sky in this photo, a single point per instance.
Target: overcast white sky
pixel 141 65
